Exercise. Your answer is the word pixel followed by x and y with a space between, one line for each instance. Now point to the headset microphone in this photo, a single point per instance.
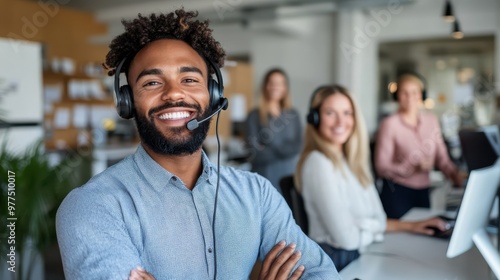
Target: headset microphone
pixel 194 123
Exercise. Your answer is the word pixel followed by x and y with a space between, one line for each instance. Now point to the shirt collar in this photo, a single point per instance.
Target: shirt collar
pixel 209 170
pixel 159 178
pixel 404 123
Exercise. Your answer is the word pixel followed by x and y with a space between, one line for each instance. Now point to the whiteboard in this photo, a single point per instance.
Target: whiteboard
pixel 21 89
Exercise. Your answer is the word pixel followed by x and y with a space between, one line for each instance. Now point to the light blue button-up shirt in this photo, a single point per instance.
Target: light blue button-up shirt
pixel 136 213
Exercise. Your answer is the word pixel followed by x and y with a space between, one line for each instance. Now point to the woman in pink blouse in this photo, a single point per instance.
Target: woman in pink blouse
pixel 409 144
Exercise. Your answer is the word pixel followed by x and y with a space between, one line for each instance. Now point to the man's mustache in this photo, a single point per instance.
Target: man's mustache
pixel 172 105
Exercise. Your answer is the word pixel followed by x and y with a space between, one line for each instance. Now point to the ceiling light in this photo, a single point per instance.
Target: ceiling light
pixel 429 104
pixel 392 87
pixel 448 12
pixel 457 33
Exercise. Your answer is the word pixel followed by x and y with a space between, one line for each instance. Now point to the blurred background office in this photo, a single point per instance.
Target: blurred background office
pixel 52 87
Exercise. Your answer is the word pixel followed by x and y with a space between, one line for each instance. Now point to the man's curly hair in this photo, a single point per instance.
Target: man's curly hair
pixel 179 25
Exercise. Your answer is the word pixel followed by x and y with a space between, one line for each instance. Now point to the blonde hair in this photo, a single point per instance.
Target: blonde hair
pixel 285 102
pixel 356 150
pixel 410 78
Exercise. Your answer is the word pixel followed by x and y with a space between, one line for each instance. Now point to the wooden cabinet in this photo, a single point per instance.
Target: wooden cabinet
pixel 238 81
pixel 70 101
pixel 64 33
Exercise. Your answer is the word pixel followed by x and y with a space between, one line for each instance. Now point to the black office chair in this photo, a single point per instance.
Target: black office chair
pixel 295 202
pixel 378 181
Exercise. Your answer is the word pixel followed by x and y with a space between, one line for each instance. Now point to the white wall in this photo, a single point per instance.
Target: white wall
pixel 302 46
pixel 306 56
pixel 234 38
pixel 357 62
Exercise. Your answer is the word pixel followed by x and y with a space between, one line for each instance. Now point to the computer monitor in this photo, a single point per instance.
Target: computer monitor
pixel 480 147
pixel 473 216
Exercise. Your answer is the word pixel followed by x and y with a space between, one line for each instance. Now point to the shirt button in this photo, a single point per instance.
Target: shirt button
pixel 174 179
pixel 210 250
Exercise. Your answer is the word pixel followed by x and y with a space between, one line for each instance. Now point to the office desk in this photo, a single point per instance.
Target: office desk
pixel 411 256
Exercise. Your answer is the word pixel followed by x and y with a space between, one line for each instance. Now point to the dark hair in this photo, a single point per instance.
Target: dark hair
pixel 178 25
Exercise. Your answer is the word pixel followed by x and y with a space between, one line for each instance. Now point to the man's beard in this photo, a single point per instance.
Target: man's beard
pixel 176 144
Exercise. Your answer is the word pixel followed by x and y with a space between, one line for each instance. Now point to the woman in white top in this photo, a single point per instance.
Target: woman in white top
pixel 343 207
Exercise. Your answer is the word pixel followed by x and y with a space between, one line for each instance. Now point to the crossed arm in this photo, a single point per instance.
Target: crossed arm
pixel 277 265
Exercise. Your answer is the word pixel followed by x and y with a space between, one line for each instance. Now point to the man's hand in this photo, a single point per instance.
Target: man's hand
pixel 139 273
pixel 280 261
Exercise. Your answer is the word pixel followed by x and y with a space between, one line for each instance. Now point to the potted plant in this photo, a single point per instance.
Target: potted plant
pixel 31 190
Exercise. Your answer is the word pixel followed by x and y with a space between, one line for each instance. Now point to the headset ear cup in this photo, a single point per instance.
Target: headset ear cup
pixel 211 92
pixel 124 102
pixel 123 95
pixel 313 117
pixel 316 118
pixel 216 88
pixel 215 95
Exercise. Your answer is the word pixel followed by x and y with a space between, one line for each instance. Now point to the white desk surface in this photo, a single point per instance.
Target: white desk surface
pixel 411 256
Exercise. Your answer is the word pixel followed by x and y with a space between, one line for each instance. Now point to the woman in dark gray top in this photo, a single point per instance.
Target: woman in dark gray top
pixel 274 130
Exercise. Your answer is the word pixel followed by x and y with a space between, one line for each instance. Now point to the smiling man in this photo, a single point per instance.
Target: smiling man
pixel 153 215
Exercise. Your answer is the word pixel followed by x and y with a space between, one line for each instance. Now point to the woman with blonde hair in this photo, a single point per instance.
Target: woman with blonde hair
pixel 274 131
pixel 408 146
pixel 333 174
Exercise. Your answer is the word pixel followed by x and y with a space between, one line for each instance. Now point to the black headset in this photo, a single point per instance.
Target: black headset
pixel 418 76
pixel 313 114
pixel 124 100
